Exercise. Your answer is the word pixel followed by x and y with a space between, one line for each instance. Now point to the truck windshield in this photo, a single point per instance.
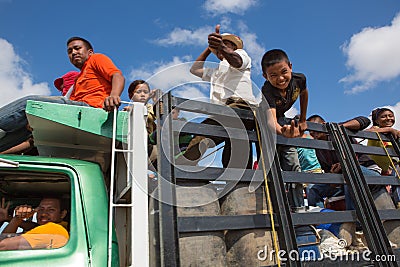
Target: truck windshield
pixel 34 210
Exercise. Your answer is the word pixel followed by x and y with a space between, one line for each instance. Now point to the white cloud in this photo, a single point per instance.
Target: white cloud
pixel 255 49
pixel 198 37
pixel 373 55
pixel 193 92
pixel 15 82
pixel 217 7
pixel 186 37
pixel 167 75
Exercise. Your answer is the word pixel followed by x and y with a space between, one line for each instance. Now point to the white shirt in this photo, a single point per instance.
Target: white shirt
pixel 227 81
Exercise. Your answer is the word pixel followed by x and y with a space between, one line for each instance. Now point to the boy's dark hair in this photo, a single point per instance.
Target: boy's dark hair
pixel 376 112
pixel 133 85
pixel 315 116
pixel 272 57
pixel 76 38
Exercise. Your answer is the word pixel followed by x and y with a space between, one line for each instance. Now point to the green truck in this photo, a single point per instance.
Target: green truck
pixel 77 147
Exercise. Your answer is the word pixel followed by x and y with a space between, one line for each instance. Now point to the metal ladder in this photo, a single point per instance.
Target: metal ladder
pixel 366 212
pixel 135 187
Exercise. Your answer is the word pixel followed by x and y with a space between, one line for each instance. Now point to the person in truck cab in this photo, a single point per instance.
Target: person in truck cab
pixel 99 84
pixel 50 231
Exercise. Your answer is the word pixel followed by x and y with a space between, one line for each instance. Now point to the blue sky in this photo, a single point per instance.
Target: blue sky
pixel 348 49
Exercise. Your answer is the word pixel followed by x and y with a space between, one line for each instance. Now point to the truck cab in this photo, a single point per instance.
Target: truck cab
pixel 78 159
pixel 26 179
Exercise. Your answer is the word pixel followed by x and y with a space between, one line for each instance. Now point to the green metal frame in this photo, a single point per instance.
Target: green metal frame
pixel 89 213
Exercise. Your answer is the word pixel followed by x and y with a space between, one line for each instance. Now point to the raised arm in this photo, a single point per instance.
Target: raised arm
pixel 303 110
pixel 21 212
pixel 197 67
pixel 215 41
pixel 233 58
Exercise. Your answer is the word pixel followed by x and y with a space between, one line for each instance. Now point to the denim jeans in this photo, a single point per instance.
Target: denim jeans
pixel 13 119
pixel 317 192
pixel 376 190
pixel 289 160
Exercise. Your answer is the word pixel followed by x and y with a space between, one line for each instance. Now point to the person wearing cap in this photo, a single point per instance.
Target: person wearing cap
pixel 231 79
pixel 99 85
pixel 230 85
pixel 64 83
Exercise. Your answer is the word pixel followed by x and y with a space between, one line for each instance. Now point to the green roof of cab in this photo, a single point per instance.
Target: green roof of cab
pixel 88 195
pixel 92 120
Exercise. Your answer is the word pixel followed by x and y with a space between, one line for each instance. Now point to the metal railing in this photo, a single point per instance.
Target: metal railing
pixel 171 225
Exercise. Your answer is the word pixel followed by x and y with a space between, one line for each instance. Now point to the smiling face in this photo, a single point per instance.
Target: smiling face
pixel 279 74
pixel 78 53
pixel 385 119
pixel 49 210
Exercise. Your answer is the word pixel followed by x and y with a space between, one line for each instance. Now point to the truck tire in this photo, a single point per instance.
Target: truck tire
pixel 246 246
pixel 200 248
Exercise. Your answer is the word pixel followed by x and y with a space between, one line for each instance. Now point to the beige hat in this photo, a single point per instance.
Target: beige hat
pixel 234 39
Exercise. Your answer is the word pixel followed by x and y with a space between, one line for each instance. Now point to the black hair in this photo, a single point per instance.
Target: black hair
pixel 315 116
pixel 86 42
pixel 133 85
pixel 272 57
pixel 375 114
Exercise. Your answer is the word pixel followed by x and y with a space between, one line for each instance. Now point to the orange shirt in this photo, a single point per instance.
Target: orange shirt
pixel 49 235
pixel 93 84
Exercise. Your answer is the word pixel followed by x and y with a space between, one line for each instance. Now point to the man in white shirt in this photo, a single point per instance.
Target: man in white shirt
pixel 230 85
pixel 232 76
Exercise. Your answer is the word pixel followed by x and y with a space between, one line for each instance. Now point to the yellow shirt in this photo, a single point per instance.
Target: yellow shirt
pixel 382 161
pixel 49 235
pixel 151 117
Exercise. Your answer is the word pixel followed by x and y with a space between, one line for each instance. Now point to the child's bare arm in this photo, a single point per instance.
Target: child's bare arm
pixel 303 110
pixel 273 121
